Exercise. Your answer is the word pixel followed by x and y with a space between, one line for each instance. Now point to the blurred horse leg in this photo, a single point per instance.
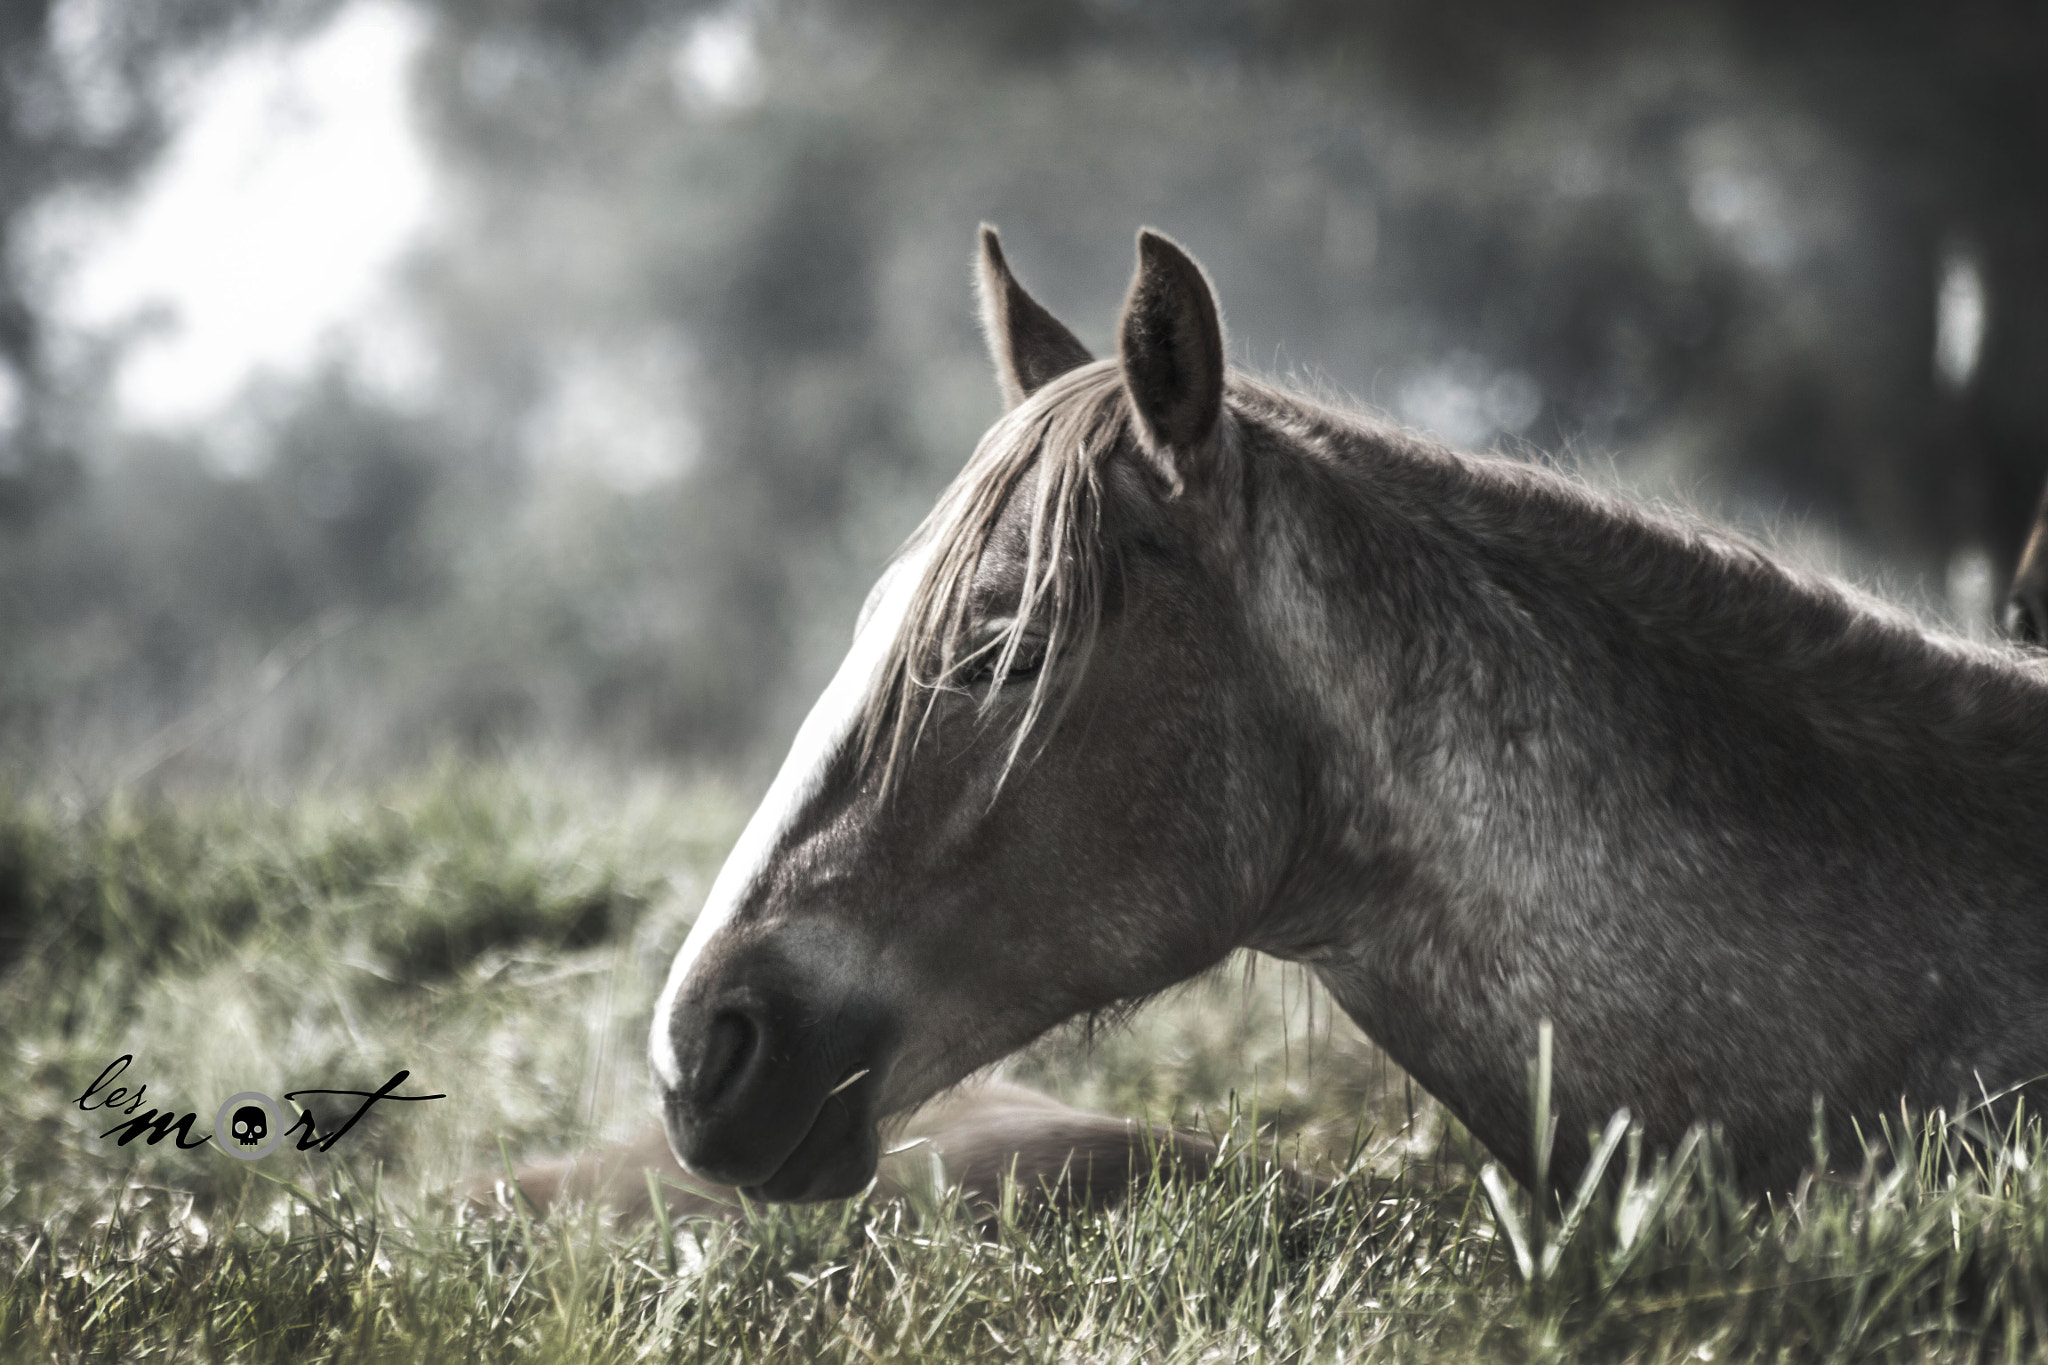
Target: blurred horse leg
pixel 970 1138
pixel 613 1177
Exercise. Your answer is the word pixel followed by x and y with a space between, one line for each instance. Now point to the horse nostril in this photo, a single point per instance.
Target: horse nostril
pixel 729 1045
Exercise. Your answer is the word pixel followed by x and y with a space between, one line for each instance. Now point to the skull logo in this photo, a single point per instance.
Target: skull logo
pixel 251 1124
pixel 243 1126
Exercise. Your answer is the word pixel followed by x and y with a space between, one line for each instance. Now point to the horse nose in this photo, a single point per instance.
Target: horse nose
pixel 719 1059
pixel 734 1043
pixel 750 1053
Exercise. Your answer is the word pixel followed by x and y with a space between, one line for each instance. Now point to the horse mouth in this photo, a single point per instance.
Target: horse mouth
pixel 835 1158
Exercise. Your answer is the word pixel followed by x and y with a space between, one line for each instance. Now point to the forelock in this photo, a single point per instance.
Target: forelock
pixel 1065 431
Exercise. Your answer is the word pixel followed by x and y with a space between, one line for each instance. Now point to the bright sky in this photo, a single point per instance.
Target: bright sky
pixel 717 65
pixel 269 229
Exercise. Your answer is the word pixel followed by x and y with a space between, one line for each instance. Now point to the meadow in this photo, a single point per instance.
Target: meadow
pixel 501 933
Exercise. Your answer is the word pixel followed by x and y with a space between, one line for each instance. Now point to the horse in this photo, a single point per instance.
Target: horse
pixel 1184 663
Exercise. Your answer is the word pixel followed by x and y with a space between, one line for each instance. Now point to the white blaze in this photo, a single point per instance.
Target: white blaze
pixel 829 725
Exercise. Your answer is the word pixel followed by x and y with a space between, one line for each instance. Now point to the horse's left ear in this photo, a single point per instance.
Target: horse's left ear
pixel 1028 344
pixel 1171 345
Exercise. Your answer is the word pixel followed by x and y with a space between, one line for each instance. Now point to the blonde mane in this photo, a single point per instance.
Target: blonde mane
pixel 1066 430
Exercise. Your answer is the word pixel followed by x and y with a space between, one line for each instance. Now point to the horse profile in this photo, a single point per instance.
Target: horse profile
pixel 1183 664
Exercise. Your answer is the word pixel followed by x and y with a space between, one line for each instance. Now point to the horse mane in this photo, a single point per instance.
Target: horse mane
pixel 1662 561
pixel 1066 429
pixel 1648 550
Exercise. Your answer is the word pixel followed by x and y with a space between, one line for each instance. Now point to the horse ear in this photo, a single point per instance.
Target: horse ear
pixel 1171 344
pixel 1029 345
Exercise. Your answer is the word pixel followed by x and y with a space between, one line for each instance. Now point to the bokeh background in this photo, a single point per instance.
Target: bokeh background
pixel 386 381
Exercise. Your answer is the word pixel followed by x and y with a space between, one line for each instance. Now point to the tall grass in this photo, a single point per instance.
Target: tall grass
pixel 501 935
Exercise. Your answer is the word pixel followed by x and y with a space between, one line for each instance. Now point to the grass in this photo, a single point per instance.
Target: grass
pixel 501 934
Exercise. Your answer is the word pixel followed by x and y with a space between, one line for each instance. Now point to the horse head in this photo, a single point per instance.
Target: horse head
pixel 1043 782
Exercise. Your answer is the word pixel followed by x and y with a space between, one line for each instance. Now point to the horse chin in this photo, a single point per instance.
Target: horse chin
pixel 835 1160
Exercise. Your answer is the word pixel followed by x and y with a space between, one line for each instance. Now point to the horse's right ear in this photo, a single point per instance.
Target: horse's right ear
pixel 1029 345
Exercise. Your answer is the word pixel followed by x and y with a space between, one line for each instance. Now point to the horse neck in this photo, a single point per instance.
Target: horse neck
pixel 1517 692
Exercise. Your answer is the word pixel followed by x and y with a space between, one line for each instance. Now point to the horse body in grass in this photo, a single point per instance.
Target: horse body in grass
pixel 1184 664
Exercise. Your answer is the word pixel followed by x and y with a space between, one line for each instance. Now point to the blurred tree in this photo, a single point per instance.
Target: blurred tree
pixel 704 343
pixel 82 108
pixel 1940 113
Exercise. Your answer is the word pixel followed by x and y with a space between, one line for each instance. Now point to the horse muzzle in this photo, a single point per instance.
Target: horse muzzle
pixel 775 1090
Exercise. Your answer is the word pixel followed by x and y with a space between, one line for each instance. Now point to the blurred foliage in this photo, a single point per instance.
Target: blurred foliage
pixel 409 888
pixel 230 945
pixel 500 931
pixel 703 346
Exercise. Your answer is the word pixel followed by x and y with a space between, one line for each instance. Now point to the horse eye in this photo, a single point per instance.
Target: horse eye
pixel 1030 657
pixel 1024 664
